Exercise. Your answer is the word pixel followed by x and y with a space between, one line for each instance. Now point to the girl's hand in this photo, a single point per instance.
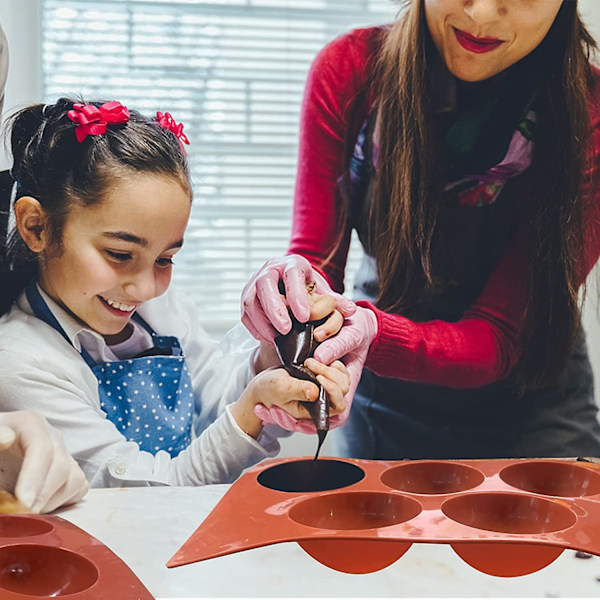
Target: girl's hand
pixel 322 305
pixel 265 310
pixel 276 391
pixel 336 381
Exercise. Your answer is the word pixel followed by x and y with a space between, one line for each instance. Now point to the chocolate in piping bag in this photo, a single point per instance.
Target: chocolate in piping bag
pixel 293 349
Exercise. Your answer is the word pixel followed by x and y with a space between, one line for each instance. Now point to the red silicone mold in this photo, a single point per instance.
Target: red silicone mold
pixel 503 517
pixel 48 557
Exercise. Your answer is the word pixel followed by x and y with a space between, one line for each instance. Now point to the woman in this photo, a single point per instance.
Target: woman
pixel 462 144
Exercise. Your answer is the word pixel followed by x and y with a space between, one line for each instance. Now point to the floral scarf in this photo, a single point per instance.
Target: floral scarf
pixel 491 141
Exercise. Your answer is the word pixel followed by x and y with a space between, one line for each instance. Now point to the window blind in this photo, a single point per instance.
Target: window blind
pixel 233 72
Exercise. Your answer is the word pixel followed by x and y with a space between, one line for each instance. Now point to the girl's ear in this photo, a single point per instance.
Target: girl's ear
pixel 31 223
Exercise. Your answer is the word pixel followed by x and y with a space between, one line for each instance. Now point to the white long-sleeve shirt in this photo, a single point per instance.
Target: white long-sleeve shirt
pixel 41 371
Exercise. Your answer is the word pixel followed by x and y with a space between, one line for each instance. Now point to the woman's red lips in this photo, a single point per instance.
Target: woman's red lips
pixel 479 45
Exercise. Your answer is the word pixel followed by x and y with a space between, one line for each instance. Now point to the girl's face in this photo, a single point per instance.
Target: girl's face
pixel 117 254
pixel 480 38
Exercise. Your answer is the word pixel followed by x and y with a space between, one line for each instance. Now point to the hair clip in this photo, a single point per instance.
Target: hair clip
pixel 166 121
pixel 93 120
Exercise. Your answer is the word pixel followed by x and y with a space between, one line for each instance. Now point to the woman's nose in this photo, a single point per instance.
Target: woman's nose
pixel 484 12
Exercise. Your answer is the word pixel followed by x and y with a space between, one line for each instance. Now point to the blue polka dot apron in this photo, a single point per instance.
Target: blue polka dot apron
pixel 149 398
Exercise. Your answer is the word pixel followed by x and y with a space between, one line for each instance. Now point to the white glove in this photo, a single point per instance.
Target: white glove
pixel 35 464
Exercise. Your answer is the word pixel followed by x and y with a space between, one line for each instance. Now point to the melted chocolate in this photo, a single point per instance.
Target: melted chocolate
pixel 310 475
pixel 293 349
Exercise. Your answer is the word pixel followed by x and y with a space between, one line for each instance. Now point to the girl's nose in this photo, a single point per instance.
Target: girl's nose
pixel 142 286
pixel 484 12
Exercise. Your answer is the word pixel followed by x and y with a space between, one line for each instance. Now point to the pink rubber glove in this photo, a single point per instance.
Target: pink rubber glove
pixel 351 346
pixel 264 311
pixel 277 416
pixel 353 339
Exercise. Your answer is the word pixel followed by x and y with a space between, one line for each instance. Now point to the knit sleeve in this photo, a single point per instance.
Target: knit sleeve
pixel 334 82
pixel 480 348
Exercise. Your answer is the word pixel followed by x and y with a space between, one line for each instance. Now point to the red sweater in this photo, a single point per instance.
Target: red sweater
pixel 480 348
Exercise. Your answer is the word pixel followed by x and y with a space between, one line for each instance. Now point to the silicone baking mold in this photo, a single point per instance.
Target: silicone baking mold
pixel 503 517
pixel 48 557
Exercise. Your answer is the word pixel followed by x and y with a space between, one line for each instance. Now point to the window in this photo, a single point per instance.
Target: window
pixel 233 72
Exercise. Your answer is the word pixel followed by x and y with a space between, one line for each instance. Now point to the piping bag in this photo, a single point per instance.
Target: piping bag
pixel 293 349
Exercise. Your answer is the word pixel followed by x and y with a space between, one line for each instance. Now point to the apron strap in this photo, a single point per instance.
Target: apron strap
pixel 43 312
pixel 141 321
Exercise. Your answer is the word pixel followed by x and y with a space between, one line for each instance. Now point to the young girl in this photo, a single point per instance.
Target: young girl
pixel 94 340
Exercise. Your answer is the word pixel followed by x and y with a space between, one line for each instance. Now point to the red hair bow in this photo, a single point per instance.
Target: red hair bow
pixel 93 120
pixel 168 122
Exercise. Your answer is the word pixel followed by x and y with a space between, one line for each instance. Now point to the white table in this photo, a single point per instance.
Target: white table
pixel 146 526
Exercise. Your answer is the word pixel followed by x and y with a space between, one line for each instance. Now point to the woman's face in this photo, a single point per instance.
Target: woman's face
pixel 480 38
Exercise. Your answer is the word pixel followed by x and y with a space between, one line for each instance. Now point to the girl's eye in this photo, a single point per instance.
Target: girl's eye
pixel 164 262
pixel 118 256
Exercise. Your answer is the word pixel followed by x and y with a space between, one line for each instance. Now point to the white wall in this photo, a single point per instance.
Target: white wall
pixel 590 11
pixel 20 20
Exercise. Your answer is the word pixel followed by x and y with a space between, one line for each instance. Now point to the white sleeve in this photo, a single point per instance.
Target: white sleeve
pixel 218 455
pixel 39 371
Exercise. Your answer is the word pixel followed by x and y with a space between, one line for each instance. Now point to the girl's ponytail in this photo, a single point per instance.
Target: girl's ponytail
pixel 16 264
pixel 13 275
pixel 6 187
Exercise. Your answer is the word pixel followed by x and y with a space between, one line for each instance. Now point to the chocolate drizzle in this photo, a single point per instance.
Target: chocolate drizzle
pixel 293 349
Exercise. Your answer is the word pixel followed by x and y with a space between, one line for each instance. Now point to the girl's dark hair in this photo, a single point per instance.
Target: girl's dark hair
pixel 50 165
pixel 405 194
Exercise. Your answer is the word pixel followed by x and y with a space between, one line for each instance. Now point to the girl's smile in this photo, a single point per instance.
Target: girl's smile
pixel 118 253
pixel 118 308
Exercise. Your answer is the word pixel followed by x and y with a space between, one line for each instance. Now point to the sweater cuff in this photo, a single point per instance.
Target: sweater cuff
pixel 390 352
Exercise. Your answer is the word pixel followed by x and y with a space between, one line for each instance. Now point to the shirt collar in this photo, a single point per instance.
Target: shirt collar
pixel 78 334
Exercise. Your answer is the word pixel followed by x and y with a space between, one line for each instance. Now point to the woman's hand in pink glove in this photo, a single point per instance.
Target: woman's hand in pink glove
pixel 351 346
pixel 355 337
pixel 265 310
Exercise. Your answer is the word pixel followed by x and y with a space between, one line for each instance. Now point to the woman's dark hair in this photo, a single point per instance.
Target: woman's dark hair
pixel 405 193
pixel 50 165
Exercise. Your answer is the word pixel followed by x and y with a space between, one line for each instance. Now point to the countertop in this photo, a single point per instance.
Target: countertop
pixel 146 526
